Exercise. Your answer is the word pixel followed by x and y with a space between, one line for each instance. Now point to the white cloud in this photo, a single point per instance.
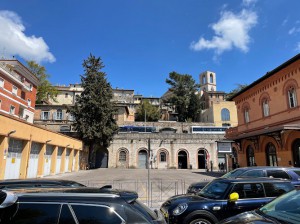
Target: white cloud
pixel 232 30
pixel 294 30
pixel 13 40
pixel 249 2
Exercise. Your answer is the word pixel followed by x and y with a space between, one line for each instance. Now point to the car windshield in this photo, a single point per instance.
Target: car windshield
pixel 233 173
pixel 285 208
pixel 214 190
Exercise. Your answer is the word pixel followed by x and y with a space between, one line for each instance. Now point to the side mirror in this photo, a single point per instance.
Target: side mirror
pixel 233 197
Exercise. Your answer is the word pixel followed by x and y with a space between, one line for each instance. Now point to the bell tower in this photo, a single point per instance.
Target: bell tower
pixel 208 82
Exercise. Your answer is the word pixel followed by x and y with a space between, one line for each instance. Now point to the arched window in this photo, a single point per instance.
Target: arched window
pixel 250 156
pixel 122 156
pixel 271 155
pixel 246 115
pixel 225 114
pixel 292 97
pixel 211 78
pixel 163 157
pixel 203 79
pixel 266 108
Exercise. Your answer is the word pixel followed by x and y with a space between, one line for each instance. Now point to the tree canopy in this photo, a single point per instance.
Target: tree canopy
pixel 45 90
pixel 183 88
pixel 236 90
pixel 93 110
pixel 147 109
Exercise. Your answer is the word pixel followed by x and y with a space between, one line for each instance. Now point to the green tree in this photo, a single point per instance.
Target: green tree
pixel 45 90
pixel 94 110
pixel 235 91
pixel 182 87
pixel 194 108
pixel 146 108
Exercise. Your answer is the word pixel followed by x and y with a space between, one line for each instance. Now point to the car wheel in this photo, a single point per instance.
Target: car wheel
pixel 200 221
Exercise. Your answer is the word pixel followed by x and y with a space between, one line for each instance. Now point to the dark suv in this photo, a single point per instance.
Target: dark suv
pixel 223 198
pixel 288 173
pixel 79 206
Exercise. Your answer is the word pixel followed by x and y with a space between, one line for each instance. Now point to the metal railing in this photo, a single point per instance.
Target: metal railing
pixel 160 190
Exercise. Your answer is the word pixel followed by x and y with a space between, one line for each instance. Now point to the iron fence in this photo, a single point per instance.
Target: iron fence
pixel 153 193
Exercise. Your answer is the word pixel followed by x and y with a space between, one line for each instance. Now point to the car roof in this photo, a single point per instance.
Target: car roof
pixel 251 180
pixel 268 168
pixel 72 194
pixel 32 182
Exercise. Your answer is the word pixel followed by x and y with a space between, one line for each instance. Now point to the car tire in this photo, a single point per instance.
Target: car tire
pixel 200 221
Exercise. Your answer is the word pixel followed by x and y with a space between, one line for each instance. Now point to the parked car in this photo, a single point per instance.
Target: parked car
pixel 223 198
pixel 284 209
pixel 74 205
pixel 38 183
pixel 289 173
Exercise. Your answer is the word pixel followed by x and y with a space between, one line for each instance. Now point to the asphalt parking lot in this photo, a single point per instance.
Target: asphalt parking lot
pixel 162 184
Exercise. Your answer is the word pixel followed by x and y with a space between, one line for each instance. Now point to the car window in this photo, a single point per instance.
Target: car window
pixel 66 216
pixel 249 190
pixel 147 212
pixel 37 213
pixel 214 190
pixel 233 173
pixel 253 173
pixel 285 208
pixel 297 172
pixel 277 189
pixel 87 214
pixel 278 174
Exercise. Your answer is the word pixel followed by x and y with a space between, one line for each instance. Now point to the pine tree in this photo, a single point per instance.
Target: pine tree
pixel 93 110
pixel 182 87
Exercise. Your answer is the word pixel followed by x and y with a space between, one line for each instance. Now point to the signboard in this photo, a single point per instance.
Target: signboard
pixel 224 147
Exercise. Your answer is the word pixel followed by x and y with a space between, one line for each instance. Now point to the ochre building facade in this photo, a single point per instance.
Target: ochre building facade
pixel 268 131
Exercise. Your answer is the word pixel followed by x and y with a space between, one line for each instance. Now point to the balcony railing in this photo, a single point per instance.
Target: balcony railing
pixel 16 76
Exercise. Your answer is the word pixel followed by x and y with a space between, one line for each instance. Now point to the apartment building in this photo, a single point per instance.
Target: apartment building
pixel 18 88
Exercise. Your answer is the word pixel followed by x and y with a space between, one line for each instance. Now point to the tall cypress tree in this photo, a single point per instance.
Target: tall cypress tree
pixel 93 110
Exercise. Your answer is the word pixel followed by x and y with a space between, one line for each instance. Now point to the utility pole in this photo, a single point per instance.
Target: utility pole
pixel 148 166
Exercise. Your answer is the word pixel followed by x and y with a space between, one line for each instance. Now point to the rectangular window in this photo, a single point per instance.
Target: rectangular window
pixel 15 90
pixel 12 110
pixel 1 82
pixel 0 103
pixel 45 115
pixel 29 102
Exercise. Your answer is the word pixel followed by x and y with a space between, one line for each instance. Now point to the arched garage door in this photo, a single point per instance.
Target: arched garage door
pixel 34 159
pixel 48 155
pixel 13 159
pixel 58 160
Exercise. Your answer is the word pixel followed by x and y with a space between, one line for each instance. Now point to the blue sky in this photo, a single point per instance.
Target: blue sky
pixel 140 42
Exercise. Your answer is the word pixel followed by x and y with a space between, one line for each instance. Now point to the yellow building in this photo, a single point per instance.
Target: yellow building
pixel 29 151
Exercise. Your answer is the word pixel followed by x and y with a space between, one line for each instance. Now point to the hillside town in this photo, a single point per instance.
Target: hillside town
pixel 257 126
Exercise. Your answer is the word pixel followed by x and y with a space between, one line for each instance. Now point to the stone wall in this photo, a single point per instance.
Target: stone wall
pixel 135 144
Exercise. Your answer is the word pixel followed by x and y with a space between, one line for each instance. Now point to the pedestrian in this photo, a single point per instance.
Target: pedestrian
pixel 222 167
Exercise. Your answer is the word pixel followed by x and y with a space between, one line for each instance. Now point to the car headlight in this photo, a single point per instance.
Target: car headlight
pixel 180 209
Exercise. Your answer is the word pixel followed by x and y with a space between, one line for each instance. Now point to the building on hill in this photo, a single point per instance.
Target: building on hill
pixel 268 131
pixel 18 88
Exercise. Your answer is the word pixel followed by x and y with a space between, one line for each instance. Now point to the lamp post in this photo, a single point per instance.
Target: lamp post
pixel 148 167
